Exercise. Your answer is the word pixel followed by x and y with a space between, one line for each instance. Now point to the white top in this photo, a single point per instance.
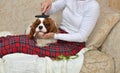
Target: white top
pixel 78 18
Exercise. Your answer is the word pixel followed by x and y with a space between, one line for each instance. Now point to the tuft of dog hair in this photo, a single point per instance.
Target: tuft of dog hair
pixel 44 25
pixel 5 33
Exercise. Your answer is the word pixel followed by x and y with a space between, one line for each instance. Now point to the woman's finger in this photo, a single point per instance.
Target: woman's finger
pixel 45 6
pixel 48 8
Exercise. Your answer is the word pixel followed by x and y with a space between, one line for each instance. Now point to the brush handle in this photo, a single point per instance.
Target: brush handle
pixel 43 13
pixel 42 16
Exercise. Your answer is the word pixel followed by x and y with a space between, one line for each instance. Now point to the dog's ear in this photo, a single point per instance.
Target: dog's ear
pixel 53 26
pixel 33 28
pixel 35 23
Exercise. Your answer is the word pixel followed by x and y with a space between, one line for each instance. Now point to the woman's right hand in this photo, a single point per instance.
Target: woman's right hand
pixel 46 5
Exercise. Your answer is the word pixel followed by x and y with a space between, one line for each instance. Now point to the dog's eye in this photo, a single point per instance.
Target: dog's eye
pixel 46 24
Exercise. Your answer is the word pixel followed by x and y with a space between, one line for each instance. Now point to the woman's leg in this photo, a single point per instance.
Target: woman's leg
pixel 63 48
pixel 22 44
pixel 17 44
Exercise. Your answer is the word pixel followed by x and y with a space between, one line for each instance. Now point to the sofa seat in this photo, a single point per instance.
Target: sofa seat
pixel 97 62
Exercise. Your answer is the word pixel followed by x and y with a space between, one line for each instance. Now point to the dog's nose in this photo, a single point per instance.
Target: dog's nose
pixel 40 27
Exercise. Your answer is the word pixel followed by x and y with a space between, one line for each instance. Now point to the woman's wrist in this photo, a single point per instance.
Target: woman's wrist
pixel 52 0
pixel 55 36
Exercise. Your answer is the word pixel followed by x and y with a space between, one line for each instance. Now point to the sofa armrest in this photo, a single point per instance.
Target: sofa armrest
pixel 97 62
pixel 106 22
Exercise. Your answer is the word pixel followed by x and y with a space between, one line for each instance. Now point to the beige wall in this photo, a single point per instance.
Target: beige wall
pixel 16 15
pixel 115 4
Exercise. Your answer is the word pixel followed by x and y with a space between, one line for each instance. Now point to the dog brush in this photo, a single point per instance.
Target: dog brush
pixel 42 16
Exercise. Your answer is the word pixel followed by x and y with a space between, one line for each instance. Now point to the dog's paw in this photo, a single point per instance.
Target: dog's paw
pixel 41 45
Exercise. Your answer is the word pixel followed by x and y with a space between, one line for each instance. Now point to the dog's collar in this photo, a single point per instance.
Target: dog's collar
pixel 42 16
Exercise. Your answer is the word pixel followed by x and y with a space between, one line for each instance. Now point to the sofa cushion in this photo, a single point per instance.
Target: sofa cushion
pixel 106 22
pixel 111 46
pixel 103 3
pixel 117 65
pixel 97 62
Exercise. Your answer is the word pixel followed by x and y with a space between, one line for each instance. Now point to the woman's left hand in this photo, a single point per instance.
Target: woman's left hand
pixel 48 35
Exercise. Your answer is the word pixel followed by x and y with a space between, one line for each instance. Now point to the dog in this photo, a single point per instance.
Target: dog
pixel 44 25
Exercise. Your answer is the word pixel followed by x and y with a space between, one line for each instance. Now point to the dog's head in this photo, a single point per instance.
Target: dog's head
pixel 44 25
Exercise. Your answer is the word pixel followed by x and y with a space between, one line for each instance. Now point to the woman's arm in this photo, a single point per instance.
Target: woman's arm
pixel 56 6
pixel 87 25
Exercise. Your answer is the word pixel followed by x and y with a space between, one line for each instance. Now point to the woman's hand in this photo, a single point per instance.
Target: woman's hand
pixel 48 35
pixel 45 36
pixel 46 5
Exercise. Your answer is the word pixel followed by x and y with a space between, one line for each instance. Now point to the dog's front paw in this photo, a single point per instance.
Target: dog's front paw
pixel 41 45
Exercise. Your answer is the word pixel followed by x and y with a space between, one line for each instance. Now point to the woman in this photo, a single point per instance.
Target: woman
pixel 78 20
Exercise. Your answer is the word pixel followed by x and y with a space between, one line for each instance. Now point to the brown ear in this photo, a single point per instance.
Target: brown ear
pixel 31 35
pixel 33 27
pixel 53 26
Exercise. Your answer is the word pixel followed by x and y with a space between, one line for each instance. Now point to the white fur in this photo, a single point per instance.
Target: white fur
pixel 5 33
pixel 45 42
pixel 37 29
pixel 41 24
pixel 27 31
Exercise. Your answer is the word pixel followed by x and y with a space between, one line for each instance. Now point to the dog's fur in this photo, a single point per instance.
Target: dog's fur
pixel 5 33
pixel 44 25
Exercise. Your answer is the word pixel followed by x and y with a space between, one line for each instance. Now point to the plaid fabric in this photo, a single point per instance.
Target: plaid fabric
pixel 22 44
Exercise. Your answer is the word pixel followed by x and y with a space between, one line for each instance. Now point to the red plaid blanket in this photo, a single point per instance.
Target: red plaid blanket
pixel 22 44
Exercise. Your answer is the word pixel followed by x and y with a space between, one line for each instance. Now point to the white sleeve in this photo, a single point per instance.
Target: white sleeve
pixel 57 5
pixel 87 25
